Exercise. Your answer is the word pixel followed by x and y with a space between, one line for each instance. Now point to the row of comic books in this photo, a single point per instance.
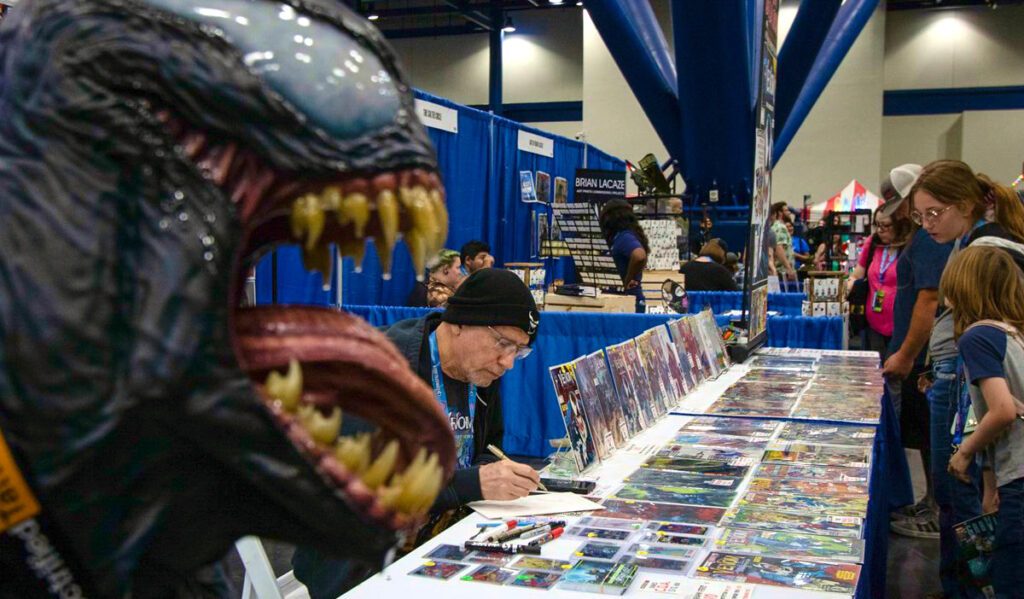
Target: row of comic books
pixel 607 397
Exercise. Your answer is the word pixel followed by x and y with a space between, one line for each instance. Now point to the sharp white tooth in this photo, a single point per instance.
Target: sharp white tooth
pixel 331 199
pixel 440 214
pixel 318 259
pixel 379 472
pixel 416 484
pixel 431 487
pixel 417 203
pixel 355 249
pixel 307 218
pixel 354 453
pixel 323 429
pixel 417 246
pixel 387 215
pixel 288 388
pixel 356 207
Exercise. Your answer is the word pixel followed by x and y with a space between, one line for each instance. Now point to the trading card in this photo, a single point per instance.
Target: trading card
pixel 491 574
pixel 534 562
pixel 657 563
pixel 490 558
pixel 452 553
pixel 611 523
pixel 535 579
pixel 442 570
pixel 598 533
pixel 678 529
pixel 598 550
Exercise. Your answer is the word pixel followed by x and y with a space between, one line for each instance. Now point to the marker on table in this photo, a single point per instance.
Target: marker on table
pixel 498 530
pixel 554 534
pixel 501 455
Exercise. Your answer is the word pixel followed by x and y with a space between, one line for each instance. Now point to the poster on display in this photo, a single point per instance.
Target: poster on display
pixel 757 263
pixel 597 187
pixel 543 186
pixel 527 193
pixel 561 190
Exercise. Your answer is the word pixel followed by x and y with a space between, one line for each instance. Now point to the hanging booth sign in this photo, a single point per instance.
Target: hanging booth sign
pixel 437 116
pixel 535 144
pixel 597 187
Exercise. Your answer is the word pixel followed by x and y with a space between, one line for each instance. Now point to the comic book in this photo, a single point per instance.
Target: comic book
pixel 707 355
pixel 840 505
pixel 732 456
pixel 656 373
pixel 699 466
pixel 839 407
pixel 975 539
pixel 663 346
pixel 625 389
pixel 593 576
pixel 713 335
pixel 738 427
pixel 755 388
pixel 789 544
pixel 750 407
pixel 807 487
pixel 601 415
pixel 777 571
pixel 676 494
pixel 810 523
pixel 815 472
pixel 718 441
pixel 693 347
pixel 614 404
pixel 849 459
pixel 777 376
pixel 631 384
pixel 783 362
pixel 663 512
pixel 647 476
pixel 828 434
pixel 688 360
pixel 569 404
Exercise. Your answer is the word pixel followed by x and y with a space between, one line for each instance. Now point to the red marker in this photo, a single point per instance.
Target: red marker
pixel 498 530
pixel 554 534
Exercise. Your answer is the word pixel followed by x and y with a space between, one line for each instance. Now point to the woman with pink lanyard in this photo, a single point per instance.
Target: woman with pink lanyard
pixel 877 261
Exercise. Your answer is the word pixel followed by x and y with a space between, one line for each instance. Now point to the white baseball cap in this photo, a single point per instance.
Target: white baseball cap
pixel 896 187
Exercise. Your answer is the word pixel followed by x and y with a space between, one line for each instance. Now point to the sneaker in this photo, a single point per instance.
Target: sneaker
pixel 911 511
pixel 923 527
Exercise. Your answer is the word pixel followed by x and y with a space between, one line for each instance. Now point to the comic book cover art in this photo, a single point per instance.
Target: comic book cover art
pixel 676 528
pixel 589 532
pixel 535 562
pixel 707 453
pixel 663 346
pixel 783 362
pixel 975 540
pixel 711 340
pixel 756 388
pixel 638 411
pixel 439 570
pixel 738 427
pixel 848 505
pixel 817 472
pixel 706 357
pixel 669 494
pixel 840 407
pixel 535 579
pixel 721 441
pixel 791 545
pixel 568 394
pixel 776 571
pixel 602 423
pixel 698 466
pixel 657 377
pixel 491 574
pixel 452 553
pixel 715 334
pixel 598 550
pixel 851 458
pixel 811 523
pixel 586 575
pixel 688 361
pixel 610 523
pixel 741 407
pixel 680 552
pixel 662 564
pixel 604 388
pixel 647 476
pixel 828 434
pixel 664 512
pixel 777 376
pixel 807 487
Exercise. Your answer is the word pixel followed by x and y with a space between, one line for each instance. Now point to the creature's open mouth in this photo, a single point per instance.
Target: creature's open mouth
pixel 312 365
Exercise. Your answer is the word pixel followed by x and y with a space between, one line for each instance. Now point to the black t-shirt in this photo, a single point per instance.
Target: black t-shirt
pixel 707 276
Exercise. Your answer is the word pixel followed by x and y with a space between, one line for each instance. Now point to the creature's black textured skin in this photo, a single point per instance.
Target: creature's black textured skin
pixel 119 391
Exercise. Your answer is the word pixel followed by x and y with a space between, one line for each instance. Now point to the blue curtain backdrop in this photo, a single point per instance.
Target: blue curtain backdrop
pixel 480 169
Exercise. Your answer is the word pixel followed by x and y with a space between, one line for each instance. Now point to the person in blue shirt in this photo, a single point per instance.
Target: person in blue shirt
pixel 801 251
pixel 629 247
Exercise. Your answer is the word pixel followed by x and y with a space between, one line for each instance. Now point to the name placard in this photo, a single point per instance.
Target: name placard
pixel 535 144
pixel 437 116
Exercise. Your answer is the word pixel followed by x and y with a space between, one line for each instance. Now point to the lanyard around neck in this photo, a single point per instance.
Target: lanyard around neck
pixel 887 261
pixel 437 380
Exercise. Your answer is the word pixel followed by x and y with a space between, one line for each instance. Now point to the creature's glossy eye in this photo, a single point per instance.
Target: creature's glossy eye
pixel 327 75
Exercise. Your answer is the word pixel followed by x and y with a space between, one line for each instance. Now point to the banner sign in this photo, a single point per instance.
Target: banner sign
pixel 437 116
pixel 597 187
pixel 535 144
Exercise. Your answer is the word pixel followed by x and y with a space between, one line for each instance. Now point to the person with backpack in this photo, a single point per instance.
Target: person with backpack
pixel 954 204
pixel 983 285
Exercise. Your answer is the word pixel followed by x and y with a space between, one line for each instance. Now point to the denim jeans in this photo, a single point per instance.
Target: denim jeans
pixel 956 501
pixel 1008 557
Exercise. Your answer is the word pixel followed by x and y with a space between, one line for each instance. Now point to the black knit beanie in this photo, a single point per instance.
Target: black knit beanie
pixel 493 297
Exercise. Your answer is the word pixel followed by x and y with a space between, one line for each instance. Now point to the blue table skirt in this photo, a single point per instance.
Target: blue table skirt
pixel 530 408
pixel 788 304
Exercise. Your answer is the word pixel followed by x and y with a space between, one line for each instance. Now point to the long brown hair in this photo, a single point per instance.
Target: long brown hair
pixel 902 229
pixel 983 282
pixel 953 182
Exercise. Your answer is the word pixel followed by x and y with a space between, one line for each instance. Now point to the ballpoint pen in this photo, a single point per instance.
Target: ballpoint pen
pixel 501 455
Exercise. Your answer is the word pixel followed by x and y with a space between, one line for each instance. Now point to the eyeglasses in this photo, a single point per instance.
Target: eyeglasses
pixel 930 215
pixel 508 347
pixel 883 226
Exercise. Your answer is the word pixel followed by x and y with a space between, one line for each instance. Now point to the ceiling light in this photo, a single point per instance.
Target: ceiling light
pixel 372 17
pixel 580 3
pixel 508 27
pixel 555 2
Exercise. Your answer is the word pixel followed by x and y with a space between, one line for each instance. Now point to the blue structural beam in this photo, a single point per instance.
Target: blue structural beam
pixel 796 57
pixel 633 36
pixel 850 20
pixel 712 51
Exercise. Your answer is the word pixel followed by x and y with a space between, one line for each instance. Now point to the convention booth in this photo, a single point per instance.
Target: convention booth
pixel 852 197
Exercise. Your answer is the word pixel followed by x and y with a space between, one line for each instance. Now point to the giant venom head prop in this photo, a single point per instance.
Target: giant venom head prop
pixel 150 152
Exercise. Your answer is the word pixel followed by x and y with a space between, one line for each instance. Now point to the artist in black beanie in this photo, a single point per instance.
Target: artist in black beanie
pixel 490 322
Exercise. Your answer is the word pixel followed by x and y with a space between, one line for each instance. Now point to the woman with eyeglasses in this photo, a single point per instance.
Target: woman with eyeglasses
pixel 954 204
pixel 877 261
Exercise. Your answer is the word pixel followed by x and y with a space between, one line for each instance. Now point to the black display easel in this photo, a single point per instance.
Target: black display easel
pixel 587 246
